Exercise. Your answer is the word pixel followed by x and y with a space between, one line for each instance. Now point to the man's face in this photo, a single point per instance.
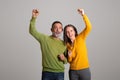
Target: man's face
pixel 57 30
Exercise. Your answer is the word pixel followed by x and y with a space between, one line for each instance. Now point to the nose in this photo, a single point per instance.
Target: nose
pixel 69 33
pixel 58 30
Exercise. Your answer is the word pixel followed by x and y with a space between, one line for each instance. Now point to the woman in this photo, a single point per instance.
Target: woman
pixel 77 51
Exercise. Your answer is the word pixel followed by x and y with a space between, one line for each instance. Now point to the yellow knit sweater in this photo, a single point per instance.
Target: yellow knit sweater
pixel 79 59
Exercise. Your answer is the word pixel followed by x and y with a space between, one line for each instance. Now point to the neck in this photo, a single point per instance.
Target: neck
pixel 72 39
pixel 55 37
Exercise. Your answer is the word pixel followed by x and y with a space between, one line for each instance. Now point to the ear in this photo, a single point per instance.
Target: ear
pixel 52 29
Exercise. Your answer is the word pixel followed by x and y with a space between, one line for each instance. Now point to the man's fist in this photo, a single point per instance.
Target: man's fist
pixel 81 11
pixel 61 57
pixel 35 13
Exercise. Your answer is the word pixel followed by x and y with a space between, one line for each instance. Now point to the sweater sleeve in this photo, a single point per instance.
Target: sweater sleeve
pixel 33 31
pixel 88 27
pixel 72 56
pixel 69 59
pixel 66 56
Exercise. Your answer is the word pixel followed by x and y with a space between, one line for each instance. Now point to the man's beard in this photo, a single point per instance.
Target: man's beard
pixel 57 35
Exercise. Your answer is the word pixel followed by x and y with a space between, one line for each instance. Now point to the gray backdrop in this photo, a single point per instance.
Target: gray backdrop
pixel 20 55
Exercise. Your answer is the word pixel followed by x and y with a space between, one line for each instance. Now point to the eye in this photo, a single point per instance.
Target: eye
pixel 67 32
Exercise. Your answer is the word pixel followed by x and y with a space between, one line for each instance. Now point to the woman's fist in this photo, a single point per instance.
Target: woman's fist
pixel 81 11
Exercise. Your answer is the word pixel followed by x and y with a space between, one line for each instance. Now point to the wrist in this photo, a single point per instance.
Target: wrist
pixel 33 17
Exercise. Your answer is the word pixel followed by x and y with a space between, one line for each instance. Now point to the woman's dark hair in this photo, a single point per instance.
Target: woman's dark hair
pixel 66 39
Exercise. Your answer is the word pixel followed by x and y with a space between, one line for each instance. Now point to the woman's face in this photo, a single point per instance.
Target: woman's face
pixel 70 32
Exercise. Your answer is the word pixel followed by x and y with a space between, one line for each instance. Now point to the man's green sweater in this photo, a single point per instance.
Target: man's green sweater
pixel 50 49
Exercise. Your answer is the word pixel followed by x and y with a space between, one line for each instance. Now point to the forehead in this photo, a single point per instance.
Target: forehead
pixel 57 25
pixel 69 28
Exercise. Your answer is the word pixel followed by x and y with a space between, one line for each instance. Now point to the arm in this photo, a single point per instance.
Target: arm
pixel 32 28
pixel 69 56
pixel 88 25
pixel 62 58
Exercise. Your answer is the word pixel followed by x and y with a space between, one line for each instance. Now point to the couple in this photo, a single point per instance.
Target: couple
pixel 54 50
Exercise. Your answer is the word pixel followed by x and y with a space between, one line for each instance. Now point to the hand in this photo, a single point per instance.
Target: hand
pixel 69 53
pixel 61 57
pixel 35 13
pixel 81 11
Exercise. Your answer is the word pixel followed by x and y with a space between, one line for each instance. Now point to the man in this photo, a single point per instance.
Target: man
pixel 52 48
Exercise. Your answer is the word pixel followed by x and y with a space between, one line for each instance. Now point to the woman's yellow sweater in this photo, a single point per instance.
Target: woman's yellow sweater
pixel 79 59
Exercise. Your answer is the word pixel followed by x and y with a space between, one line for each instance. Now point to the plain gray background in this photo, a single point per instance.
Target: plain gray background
pixel 20 55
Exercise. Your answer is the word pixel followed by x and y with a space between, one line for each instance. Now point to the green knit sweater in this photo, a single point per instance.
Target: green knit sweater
pixel 50 49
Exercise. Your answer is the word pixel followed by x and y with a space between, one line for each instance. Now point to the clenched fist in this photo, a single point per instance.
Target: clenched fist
pixel 61 57
pixel 81 11
pixel 35 13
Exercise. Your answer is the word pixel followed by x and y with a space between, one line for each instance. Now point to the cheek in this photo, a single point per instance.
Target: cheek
pixel 67 34
pixel 74 33
pixel 61 30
